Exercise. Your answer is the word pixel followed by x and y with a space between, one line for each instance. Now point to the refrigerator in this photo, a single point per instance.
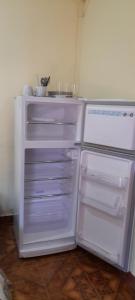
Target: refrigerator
pixel 74 177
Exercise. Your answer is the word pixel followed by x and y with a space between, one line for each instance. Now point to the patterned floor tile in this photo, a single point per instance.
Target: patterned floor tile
pixel 73 275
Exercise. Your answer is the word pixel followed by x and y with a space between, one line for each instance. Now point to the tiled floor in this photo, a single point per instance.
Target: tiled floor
pixel 74 275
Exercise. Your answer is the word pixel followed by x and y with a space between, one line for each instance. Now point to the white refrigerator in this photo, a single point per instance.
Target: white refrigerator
pixel 74 175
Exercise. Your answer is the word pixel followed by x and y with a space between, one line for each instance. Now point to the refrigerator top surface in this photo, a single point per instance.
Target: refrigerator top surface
pixel 60 99
pixel 111 101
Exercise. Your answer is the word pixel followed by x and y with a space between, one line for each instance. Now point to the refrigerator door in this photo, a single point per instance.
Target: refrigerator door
pixel 105 191
pixel 105 125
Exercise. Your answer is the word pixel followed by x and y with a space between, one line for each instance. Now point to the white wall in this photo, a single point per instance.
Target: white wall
pixel 37 37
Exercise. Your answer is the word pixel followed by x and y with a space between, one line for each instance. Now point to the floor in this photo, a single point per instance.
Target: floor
pixel 74 275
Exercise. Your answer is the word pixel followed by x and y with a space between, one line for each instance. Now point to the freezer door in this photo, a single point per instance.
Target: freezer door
pixel 105 191
pixel 104 125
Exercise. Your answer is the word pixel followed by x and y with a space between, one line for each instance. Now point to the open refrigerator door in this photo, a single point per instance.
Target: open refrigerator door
pixel 105 196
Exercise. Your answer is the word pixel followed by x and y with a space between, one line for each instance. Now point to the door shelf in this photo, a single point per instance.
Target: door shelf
pixel 114 209
pixel 106 179
pixel 98 249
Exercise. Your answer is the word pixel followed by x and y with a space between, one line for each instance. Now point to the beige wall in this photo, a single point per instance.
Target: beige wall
pixel 107 53
pixel 37 37
pixel 40 37
pixel 107 61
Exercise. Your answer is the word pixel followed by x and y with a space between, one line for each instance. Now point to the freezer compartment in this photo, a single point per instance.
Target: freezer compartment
pixel 105 190
pixel 52 121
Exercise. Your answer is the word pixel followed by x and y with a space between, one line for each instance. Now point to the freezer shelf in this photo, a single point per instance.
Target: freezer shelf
pixel 50 132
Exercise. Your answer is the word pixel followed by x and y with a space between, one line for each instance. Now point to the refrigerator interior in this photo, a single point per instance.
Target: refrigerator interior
pixel 104 205
pixel 50 194
pixel 52 121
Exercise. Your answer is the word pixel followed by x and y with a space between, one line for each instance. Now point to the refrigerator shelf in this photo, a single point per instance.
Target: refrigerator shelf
pixel 47 196
pixel 48 178
pixel 41 188
pixel 49 161
pixel 49 123
pixel 43 200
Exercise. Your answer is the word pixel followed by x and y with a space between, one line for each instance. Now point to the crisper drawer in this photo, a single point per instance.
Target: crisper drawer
pixel 106 125
pixel 47 214
pixel 104 204
pixel 47 219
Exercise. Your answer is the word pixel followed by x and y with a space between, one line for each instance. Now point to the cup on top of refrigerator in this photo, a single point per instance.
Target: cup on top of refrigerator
pixel 27 90
pixel 40 91
pixel 41 88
